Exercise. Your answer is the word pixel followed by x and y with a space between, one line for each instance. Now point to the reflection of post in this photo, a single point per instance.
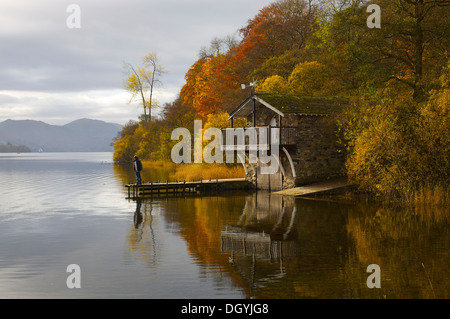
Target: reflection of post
pixel 280 219
pixel 289 228
pixel 253 270
pixel 138 218
pixel 244 212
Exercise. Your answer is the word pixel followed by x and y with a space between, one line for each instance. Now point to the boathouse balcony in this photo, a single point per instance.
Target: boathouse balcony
pixel 257 138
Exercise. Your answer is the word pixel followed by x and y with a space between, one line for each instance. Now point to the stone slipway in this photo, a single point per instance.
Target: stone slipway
pixel 321 188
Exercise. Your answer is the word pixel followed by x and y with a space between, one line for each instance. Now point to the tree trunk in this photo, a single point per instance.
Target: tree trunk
pixel 418 49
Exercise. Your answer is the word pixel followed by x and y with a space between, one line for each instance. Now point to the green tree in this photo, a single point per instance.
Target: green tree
pixel 413 42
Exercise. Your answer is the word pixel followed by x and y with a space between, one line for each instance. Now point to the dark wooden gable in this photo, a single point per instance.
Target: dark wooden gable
pixel 282 104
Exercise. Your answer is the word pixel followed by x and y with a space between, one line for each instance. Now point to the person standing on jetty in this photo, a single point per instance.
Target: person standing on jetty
pixel 137 166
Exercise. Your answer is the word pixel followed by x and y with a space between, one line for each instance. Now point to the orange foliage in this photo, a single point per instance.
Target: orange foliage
pixel 202 88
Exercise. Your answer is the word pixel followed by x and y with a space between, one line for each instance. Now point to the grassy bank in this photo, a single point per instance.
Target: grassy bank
pixel 425 197
pixel 195 172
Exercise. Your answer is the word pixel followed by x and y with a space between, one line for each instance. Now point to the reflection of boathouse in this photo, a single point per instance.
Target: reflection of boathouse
pixel 304 129
pixel 239 242
pixel 264 233
pixel 285 242
pixel 265 222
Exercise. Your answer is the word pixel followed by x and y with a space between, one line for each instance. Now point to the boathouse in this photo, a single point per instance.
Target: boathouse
pixel 305 130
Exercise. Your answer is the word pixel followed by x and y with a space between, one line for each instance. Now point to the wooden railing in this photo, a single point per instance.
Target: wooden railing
pixel 257 138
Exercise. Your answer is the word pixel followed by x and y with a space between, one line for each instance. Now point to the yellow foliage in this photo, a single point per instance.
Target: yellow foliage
pixel 166 165
pixel 217 120
pixel 122 149
pixel 274 84
pixel 196 172
pixel 132 144
pixel 399 148
pixel 308 78
pixel 220 120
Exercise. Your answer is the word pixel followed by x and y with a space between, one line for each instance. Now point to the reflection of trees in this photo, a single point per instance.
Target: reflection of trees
pixel 330 245
pixel 293 248
pixel 411 247
pixel 273 247
pixel 125 174
pixel 199 222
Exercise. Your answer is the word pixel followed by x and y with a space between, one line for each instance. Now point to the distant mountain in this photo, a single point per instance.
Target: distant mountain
pixel 82 135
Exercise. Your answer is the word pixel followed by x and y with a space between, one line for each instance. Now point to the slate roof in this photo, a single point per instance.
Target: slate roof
pixel 288 103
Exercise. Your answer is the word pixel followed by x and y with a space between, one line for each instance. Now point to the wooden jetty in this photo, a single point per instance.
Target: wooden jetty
pixel 183 188
pixel 320 188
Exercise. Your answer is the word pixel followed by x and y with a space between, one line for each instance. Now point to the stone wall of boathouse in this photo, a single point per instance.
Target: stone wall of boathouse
pixel 315 154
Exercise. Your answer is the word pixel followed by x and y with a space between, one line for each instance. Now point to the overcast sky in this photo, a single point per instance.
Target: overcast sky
pixel 56 74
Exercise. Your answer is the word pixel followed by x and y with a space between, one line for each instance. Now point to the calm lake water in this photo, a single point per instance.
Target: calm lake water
pixel 58 209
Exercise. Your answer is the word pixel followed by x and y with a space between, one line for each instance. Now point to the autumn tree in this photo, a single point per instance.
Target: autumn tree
pixel 202 86
pixel 175 114
pixel 398 145
pixel 279 27
pixel 125 146
pixel 274 84
pixel 413 41
pixel 338 44
pixel 396 136
pixel 206 80
pixel 218 46
pixel 280 65
pixel 308 78
pixel 142 81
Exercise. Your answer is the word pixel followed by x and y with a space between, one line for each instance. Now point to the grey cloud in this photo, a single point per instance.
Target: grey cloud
pixel 39 52
pixel 6 98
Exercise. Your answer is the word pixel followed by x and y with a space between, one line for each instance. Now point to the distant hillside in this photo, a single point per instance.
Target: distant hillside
pixel 9 148
pixel 82 135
